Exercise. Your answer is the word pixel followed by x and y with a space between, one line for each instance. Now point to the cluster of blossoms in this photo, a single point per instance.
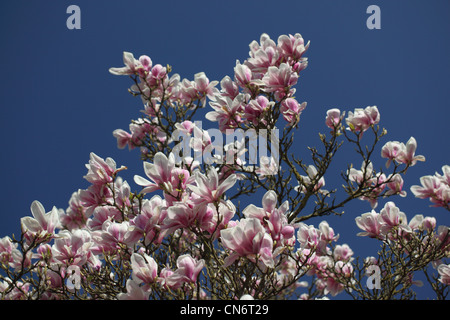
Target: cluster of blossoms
pixel 184 235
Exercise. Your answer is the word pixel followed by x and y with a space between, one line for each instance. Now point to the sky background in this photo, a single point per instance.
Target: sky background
pixel 58 102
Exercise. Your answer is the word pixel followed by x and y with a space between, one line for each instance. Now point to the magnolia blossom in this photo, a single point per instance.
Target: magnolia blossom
pixel 209 188
pixel 100 171
pixel 370 223
pixel 444 272
pixel 248 238
pixel 11 255
pixel 268 167
pixel 204 86
pixel 308 180
pixel 436 188
pixel 187 271
pixel 131 65
pixel 263 55
pixel 391 217
pixel 273 218
pixel 227 112
pixel 291 110
pixel 361 119
pixel 333 118
pixel 147 224
pixel 292 46
pixel 145 268
pixel 401 153
pixel 72 248
pixel 134 292
pixel 279 79
pixel 42 226
pixel 256 108
pixel 229 88
pixel 160 172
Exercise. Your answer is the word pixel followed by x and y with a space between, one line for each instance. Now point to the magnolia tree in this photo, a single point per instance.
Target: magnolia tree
pixel 184 235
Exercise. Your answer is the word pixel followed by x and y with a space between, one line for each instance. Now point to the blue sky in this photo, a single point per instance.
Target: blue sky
pixel 58 101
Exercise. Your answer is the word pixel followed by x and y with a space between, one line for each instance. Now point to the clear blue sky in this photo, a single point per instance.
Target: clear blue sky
pixel 58 102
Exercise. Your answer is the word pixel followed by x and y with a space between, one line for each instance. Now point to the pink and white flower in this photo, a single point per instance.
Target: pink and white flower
pixel 134 292
pixel 291 110
pixel 361 119
pixel 187 271
pixel 279 79
pixel 42 226
pixel 370 223
pixel 248 238
pixel 333 118
pixel 145 268
pixel 160 173
pixel 209 188
pixel 444 272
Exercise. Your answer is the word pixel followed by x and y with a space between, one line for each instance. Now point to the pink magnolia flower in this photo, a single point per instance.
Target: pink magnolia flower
pixel 134 292
pixel 292 46
pixel 333 118
pixel 42 226
pixel 112 237
pixel 256 108
pixel 145 268
pixel 391 216
pixel 242 74
pixel 209 188
pixel 444 272
pixel 229 88
pixel 72 248
pixel 144 66
pixel 268 167
pixel 363 175
pixel 291 110
pixel 279 79
pixel 308 180
pixel 76 214
pixel 269 202
pixel 392 151
pixel 273 218
pixel 370 223
pixel 187 271
pixel 187 127
pixel 344 268
pixel 361 119
pixel 147 224
pixel 263 55
pixel 102 214
pixel 123 139
pixel 227 112
pixel 327 233
pixel 445 178
pixel 10 255
pixel 204 87
pixel 248 238
pixel 343 252
pixel 160 172
pixel 408 155
pixel 395 185
pixel 100 171
pixel 130 65
pixel 435 188
pixel 419 222
pixel 94 196
pixel 310 238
